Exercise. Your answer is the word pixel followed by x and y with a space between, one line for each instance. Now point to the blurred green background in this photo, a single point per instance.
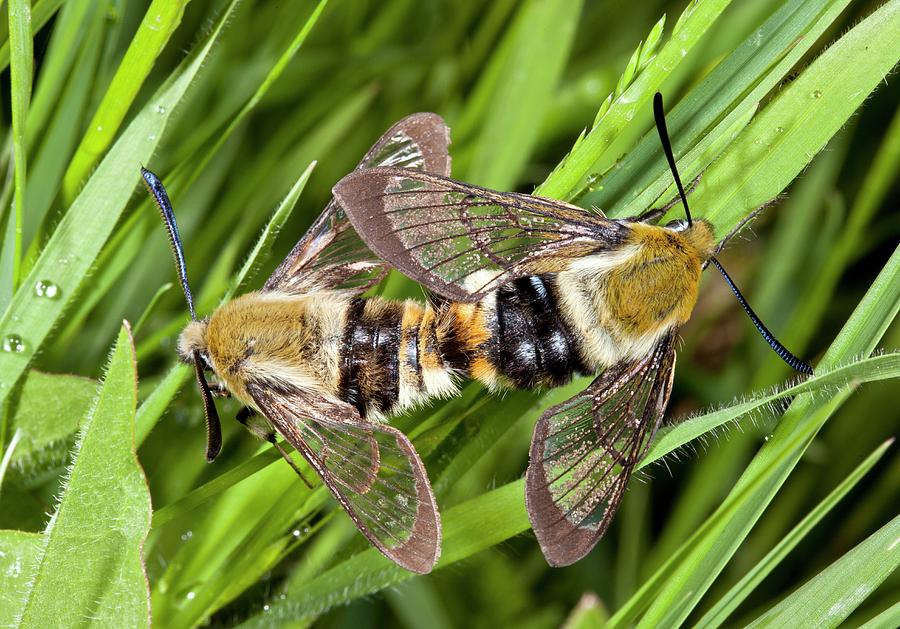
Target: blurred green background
pixel 517 82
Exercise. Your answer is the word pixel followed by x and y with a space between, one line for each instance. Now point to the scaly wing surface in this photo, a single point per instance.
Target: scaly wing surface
pixel 464 241
pixel 371 469
pixel 584 450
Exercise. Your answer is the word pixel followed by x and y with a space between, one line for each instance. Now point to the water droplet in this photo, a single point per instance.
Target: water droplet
pixel 13 344
pixel 99 127
pixel 779 129
pixel 16 318
pixel 266 608
pixel 296 533
pixel 190 595
pixel 758 141
pixel 63 261
pixel 817 94
pixel 46 288
pixel 151 138
pixel 186 536
pixel 160 109
pixel 767 437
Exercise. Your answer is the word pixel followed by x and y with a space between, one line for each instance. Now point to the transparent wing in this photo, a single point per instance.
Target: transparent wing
pixel 371 469
pixel 331 255
pixel 584 450
pixel 463 241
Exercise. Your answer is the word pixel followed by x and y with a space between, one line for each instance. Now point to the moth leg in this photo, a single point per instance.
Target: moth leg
pixel 740 226
pixel 218 389
pixel 244 415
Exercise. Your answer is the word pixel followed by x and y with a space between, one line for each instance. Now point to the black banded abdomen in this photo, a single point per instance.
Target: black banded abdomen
pixel 369 367
pixel 533 346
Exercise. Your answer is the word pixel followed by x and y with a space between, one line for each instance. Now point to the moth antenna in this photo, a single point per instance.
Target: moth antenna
pixel 660 117
pixel 159 194
pixel 158 191
pixel 780 349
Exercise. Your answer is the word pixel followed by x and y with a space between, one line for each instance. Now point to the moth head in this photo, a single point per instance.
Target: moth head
pixel 192 345
pixel 700 234
pixel 193 339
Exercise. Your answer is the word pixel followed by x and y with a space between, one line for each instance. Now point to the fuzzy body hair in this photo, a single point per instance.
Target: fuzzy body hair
pixel 385 357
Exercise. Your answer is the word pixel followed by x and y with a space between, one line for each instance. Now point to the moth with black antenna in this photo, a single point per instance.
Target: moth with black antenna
pixel 308 361
pixel 536 290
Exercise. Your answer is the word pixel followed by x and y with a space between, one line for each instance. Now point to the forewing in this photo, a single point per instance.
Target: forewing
pixel 463 241
pixel 371 469
pixel 584 450
pixel 331 255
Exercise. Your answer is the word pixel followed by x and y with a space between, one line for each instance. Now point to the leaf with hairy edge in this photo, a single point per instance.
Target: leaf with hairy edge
pixel 20 553
pixel 47 412
pixel 92 566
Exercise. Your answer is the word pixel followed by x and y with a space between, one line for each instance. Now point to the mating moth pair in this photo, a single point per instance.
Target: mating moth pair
pixel 525 292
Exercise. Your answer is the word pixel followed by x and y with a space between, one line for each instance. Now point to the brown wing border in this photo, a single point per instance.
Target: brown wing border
pixel 562 541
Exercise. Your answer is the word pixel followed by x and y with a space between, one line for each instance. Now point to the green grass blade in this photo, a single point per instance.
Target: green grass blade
pixel 160 21
pixel 41 13
pixel 801 119
pixel 834 593
pixel 21 75
pixel 888 619
pixel 541 38
pixel 712 111
pixel 91 567
pixel 468 528
pixel 726 605
pixel 78 239
pixel 706 555
pixel 579 164
pixel 825 381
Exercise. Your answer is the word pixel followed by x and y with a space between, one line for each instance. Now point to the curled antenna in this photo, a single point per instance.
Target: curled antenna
pixel 660 117
pixel 213 426
pixel 774 343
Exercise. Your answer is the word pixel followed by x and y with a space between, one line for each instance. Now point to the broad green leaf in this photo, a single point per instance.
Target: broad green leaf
pixel 830 596
pixel 87 224
pixel 19 556
pixel 47 411
pixel 92 566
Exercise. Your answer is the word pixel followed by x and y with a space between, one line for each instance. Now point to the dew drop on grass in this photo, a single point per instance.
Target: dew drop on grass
pixel 817 94
pixel 13 344
pixel 160 109
pixel 46 288
pixel 779 129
